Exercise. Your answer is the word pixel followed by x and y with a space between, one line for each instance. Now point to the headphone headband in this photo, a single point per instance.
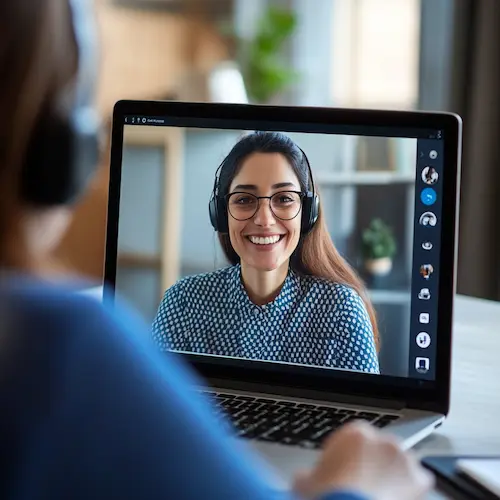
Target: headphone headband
pixel 85 32
pixel 306 159
pixel 84 116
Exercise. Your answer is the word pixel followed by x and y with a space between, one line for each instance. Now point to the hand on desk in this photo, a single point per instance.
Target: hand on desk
pixel 359 458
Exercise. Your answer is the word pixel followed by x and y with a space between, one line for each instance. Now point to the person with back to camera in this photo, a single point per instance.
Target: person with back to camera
pixel 289 296
pixel 90 408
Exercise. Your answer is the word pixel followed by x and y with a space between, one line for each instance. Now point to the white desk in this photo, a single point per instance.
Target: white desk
pixel 473 425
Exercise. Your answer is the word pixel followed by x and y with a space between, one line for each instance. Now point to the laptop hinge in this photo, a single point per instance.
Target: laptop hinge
pixel 303 393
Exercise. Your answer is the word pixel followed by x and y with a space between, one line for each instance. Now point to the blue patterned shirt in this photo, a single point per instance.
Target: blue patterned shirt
pixel 312 321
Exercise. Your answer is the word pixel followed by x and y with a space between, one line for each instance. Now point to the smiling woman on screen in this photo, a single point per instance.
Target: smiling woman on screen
pixel 289 295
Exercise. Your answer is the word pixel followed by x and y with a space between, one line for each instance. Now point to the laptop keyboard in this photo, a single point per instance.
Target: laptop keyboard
pixel 287 422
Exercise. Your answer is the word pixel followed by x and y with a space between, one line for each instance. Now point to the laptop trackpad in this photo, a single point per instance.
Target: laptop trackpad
pixel 281 462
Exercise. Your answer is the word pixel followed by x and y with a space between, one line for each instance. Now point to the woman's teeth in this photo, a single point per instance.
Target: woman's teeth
pixel 268 240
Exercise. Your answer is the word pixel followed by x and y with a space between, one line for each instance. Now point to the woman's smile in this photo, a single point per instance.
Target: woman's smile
pixel 264 242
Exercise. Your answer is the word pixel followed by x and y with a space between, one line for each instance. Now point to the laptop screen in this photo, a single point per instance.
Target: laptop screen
pixel 304 245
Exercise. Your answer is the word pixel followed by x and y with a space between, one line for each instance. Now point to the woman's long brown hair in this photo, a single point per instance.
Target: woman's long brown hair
pixel 316 254
pixel 38 59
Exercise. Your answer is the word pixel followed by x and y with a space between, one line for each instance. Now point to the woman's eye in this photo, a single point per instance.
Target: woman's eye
pixel 285 199
pixel 244 200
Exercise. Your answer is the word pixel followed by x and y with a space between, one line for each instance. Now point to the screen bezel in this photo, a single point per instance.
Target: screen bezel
pixel 415 393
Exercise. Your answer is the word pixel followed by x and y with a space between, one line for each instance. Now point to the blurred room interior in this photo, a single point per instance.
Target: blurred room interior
pixel 395 54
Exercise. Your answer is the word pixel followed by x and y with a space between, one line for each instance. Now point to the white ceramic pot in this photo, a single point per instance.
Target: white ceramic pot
pixel 379 267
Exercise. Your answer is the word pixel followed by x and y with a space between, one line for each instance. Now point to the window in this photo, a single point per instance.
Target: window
pixel 375 53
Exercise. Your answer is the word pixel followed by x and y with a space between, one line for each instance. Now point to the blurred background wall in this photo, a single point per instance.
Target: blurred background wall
pixel 399 54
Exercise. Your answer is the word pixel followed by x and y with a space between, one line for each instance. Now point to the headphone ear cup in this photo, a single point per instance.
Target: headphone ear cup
pixel 218 214
pixel 222 222
pixel 46 175
pixel 314 210
pixel 60 161
pixel 310 212
pixel 212 212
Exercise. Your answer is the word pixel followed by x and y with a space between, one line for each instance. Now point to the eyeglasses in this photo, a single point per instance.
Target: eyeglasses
pixel 284 205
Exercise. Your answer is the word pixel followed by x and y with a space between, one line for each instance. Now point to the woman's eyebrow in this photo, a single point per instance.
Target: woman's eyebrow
pixel 253 187
pixel 250 187
pixel 282 185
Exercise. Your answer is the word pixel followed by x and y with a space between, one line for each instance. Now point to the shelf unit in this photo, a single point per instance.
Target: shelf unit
pixel 165 258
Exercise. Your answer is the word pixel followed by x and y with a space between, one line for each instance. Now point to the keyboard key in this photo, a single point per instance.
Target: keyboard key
pixel 302 428
pixel 322 433
pixel 231 403
pixel 285 403
pixel 324 422
pixel 256 428
pixel 345 411
pixel 274 434
pixel 381 423
pixel 245 398
pixel 277 419
pixel 304 405
pixel 328 409
pixel 288 410
pixel 367 415
pixel 352 418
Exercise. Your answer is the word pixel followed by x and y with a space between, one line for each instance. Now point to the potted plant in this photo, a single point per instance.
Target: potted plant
pixel 379 248
pixel 260 57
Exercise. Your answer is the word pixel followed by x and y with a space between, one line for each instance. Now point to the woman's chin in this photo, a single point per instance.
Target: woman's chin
pixel 265 264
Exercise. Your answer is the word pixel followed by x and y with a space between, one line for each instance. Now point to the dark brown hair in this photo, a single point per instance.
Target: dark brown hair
pixel 315 254
pixel 38 59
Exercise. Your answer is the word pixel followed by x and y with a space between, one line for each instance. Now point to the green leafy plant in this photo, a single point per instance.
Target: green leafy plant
pixel 260 57
pixel 378 240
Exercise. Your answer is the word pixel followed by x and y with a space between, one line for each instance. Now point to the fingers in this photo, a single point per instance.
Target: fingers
pixel 424 480
pixel 301 483
pixel 358 433
pixel 358 456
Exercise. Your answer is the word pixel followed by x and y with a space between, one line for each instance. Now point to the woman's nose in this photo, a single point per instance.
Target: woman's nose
pixel 264 216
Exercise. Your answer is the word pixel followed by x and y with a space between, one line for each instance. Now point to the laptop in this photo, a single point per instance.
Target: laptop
pixel 393 175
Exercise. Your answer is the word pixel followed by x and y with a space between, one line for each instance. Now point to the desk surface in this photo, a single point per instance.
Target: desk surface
pixel 472 426
pixel 473 423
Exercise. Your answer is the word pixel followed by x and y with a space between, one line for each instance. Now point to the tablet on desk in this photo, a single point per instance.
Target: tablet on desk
pixel 483 471
pixel 466 477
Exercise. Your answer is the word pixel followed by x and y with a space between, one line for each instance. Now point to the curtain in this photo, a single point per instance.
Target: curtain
pixel 475 95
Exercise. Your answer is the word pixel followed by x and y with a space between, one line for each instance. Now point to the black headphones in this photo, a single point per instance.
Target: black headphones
pixel 217 206
pixel 63 150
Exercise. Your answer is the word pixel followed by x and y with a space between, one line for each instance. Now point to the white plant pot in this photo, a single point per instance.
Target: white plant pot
pixel 379 267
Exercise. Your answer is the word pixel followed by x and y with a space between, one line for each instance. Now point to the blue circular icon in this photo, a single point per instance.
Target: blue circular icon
pixel 428 196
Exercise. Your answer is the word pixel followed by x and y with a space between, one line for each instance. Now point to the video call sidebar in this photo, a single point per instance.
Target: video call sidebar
pixel 425 272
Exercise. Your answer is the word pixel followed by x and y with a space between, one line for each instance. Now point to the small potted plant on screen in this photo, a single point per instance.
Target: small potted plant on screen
pixel 379 248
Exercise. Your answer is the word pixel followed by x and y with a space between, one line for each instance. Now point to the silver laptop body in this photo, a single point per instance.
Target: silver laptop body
pixel 418 395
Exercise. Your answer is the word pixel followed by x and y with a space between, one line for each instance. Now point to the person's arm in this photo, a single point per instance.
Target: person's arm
pixel 354 340
pixel 168 330
pixel 124 421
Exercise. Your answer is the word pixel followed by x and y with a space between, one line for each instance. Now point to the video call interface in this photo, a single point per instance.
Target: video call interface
pixel 249 280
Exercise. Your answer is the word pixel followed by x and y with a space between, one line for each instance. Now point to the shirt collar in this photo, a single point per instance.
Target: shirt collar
pixel 239 297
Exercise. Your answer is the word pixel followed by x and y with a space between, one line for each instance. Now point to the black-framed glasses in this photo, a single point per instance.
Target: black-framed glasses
pixel 284 205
